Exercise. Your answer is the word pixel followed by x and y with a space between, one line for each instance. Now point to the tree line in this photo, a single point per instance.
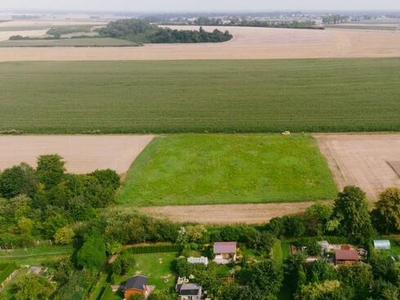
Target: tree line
pixel 141 31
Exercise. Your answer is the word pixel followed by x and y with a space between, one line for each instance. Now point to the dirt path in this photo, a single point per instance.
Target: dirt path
pixel 227 213
pixel 83 153
pixel 248 43
pixel 362 160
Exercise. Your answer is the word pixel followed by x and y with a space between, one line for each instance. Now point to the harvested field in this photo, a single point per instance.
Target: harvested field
pixel 362 160
pixel 227 214
pixel 83 154
pixel 248 43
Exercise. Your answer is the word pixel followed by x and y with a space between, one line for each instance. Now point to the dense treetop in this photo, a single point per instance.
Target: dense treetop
pixel 141 31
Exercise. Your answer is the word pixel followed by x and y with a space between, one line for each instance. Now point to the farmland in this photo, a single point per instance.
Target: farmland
pixel 200 96
pixel 68 42
pixel 100 152
pixel 247 43
pixel 211 169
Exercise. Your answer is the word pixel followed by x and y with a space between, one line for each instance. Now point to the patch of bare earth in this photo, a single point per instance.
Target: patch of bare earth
pixel 248 43
pixel 226 213
pixel 362 160
pixel 82 153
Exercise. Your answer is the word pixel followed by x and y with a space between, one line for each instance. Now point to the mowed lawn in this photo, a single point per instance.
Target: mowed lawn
pixel 310 95
pixel 159 267
pixel 209 169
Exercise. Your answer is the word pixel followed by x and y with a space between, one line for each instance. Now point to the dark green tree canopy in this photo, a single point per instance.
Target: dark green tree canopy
pixel 386 215
pixel 351 210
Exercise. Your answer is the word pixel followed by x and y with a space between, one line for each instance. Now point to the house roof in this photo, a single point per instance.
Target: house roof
pixel 189 289
pixel 225 247
pixel 136 282
pixel 346 255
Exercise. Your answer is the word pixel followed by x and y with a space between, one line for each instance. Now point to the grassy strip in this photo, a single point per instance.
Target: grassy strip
pixel 325 95
pixel 277 252
pixel 211 169
pixel 69 42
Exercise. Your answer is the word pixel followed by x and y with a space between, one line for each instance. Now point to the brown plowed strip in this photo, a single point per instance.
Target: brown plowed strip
pixel 362 160
pixel 226 213
pixel 82 153
pixel 248 43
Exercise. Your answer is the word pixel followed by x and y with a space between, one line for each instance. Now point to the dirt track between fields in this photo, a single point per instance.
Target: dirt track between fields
pixel 248 43
pixel 361 160
pixel 227 213
pixel 83 154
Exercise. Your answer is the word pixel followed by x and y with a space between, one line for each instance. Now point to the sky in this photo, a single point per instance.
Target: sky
pixel 198 5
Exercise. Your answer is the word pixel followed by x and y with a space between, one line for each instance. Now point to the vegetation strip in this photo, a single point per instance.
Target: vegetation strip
pixel 200 96
pixel 217 169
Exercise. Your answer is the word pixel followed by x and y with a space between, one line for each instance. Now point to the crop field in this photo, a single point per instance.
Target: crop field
pixel 68 42
pixel 200 96
pixel 218 169
pixel 362 160
pixel 248 43
pixel 82 153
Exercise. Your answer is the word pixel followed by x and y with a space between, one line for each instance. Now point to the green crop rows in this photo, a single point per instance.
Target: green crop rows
pixel 200 96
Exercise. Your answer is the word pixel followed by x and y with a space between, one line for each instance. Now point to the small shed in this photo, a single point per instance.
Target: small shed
pixel 381 244
pixel 346 257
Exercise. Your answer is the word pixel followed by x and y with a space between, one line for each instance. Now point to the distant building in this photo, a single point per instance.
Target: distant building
pixel 345 257
pixel 381 244
pixel 137 285
pixel 188 291
pixel 198 260
pixel 224 252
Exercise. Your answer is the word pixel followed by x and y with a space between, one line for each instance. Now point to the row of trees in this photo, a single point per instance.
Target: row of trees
pixel 204 21
pixel 141 31
pixel 46 202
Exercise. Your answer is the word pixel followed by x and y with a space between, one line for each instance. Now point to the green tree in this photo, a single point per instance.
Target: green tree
pixel 50 170
pixel 351 210
pixel 266 276
pixel 386 215
pixel 316 217
pixel 18 180
pixel 64 236
pixel 92 255
pixel 330 289
pixel 32 287
pixel 358 278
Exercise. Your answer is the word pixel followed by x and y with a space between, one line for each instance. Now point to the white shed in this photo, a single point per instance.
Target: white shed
pixel 382 244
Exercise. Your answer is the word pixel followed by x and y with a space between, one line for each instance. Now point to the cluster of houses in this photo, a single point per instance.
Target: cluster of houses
pixel 346 254
pixel 224 253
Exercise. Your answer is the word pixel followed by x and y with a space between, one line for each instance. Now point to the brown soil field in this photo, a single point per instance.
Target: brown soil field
pixel 83 154
pixel 248 43
pixel 227 213
pixel 362 160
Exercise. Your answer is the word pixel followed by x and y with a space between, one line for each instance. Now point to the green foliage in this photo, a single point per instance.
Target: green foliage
pixel 33 287
pixel 92 255
pixel 185 96
pixel 124 264
pixel 64 236
pixel 18 180
pixel 330 289
pixel 141 31
pixel 154 249
pixel 76 287
pixel 358 278
pixel 6 270
pixel 266 276
pixel 351 210
pixel 207 169
pixel 386 215
pixel 50 170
